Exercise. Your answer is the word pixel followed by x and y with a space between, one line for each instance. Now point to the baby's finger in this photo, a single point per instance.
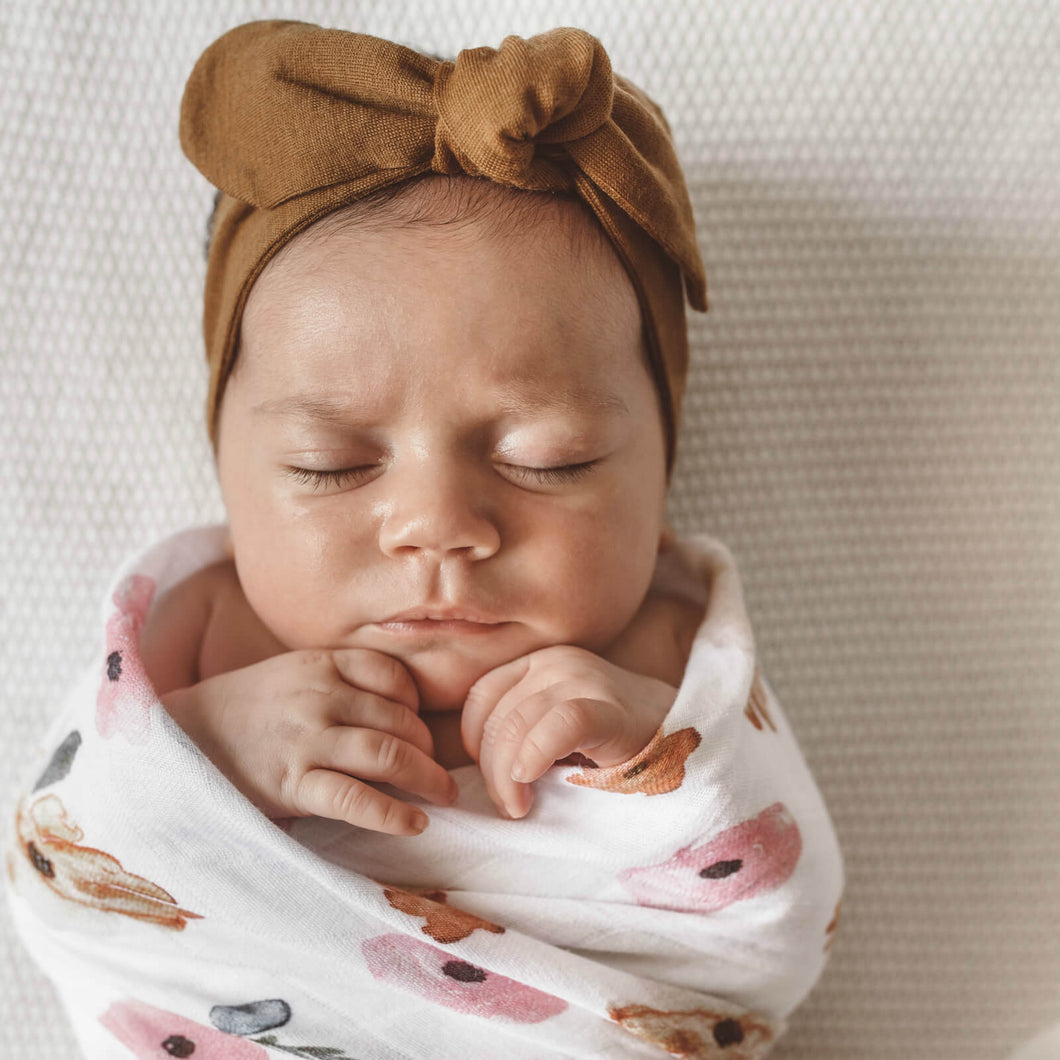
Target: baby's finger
pixel 365 710
pixel 504 736
pixel 323 793
pixel 380 756
pixel 377 672
pixel 566 728
pixel 484 696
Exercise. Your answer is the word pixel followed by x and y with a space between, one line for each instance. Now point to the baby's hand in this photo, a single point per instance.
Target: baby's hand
pixel 299 734
pixel 525 715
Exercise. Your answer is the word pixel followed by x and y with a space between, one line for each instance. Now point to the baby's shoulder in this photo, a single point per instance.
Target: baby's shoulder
pixel 195 594
pixel 658 640
pixel 687 616
pixel 173 632
pixel 679 618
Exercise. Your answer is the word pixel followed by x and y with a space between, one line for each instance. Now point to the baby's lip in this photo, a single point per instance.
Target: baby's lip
pixel 427 613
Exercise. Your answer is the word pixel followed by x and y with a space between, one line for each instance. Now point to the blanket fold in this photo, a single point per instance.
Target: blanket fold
pixel 679 904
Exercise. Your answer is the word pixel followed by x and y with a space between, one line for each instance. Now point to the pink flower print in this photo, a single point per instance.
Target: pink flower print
pixel 754 856
pixel 126 694
pixel 151 1033
pixel 446 979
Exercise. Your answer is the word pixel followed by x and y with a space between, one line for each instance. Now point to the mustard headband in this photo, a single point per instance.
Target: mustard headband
pixel 292 121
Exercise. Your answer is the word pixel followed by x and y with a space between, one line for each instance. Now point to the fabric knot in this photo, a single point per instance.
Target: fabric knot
pixel 504 113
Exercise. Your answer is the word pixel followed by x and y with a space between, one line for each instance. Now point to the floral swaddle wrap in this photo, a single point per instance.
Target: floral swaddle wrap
pixel 681 904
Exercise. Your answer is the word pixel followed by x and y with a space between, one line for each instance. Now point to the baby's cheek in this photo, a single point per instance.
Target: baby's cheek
pixel 609 561
pixel 595 601
pixel 296 590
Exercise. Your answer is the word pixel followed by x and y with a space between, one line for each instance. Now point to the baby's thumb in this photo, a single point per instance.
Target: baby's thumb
pixel 483 697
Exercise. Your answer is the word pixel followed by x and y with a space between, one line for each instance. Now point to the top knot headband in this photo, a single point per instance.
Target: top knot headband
pixel 292 121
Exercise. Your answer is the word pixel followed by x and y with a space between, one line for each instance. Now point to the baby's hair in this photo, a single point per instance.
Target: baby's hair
pixel 451 206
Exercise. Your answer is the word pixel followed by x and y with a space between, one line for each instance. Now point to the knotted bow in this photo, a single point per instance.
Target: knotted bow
pixel 291 121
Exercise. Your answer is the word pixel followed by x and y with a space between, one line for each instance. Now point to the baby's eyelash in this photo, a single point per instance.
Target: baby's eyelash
pixel 312 477
pixel 550 476
pixel 554 476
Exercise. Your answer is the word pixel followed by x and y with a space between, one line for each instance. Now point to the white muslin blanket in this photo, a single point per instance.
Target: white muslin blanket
pixel 681 904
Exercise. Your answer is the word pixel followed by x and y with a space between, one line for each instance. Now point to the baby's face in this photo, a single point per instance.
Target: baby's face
pixel 380 447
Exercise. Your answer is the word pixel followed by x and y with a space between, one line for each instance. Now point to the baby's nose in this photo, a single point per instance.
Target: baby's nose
pixel 440 510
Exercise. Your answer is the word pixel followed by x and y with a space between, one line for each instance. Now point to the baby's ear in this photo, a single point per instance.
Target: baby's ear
pixel 667 538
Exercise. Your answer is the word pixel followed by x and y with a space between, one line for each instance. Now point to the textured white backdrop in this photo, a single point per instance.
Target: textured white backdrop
pixel 873 424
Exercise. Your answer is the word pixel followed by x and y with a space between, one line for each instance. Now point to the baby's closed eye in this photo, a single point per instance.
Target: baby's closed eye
pixel 353 476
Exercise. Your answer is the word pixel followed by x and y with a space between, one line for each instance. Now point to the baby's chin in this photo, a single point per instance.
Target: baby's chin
pixel 444 677
pixel 444 680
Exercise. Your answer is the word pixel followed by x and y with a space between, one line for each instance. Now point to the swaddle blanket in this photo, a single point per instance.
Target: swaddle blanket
pixel 682 903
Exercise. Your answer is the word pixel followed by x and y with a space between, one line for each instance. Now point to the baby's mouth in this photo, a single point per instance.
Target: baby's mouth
pixel 437 619
pixel 428 626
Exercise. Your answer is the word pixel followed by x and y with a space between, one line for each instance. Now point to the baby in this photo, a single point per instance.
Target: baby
pixel 441 399
pixel 444 417
pixel 445 328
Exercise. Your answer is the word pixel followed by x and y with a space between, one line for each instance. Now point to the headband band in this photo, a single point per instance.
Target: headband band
pixel 292 121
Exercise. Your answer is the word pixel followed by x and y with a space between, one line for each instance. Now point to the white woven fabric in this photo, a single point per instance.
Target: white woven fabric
pixel 871 424
pixel 691 897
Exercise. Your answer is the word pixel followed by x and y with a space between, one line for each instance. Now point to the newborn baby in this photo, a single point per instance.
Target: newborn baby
pixel 440 402
pixel 445 329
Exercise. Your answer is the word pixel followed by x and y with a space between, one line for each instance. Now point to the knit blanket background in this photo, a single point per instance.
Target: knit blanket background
pixel 870 426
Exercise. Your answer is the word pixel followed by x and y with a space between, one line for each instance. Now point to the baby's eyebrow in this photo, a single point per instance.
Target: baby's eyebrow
pixel 319 407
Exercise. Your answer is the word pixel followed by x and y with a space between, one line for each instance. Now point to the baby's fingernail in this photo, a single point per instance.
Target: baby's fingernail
pixel 520 805
pixel 520 774
pixel 418 822
pixel 448 795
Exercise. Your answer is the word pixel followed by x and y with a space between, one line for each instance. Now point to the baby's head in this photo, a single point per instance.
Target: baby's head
pixel 443 396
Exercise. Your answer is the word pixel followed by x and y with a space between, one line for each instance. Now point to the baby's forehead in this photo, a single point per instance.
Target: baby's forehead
pixel 524 285
pixel 440 209
pixel 543 256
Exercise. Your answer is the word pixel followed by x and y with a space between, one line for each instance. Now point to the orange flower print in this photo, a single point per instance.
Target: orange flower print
pixel 444 923
pixel 659 768
pixel 698 1033
pixel 756 710
pixel 48 839
pixel 833 927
